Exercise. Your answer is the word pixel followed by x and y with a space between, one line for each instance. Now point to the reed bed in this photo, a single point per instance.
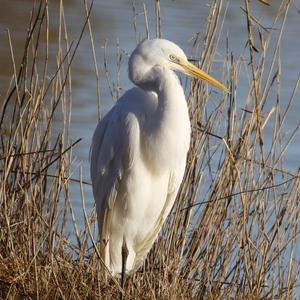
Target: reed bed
pixel 234 230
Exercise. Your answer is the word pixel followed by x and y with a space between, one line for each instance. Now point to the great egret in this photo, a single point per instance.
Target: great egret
pixel 138 154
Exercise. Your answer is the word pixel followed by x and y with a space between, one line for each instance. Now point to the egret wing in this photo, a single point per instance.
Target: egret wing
pixel 114 145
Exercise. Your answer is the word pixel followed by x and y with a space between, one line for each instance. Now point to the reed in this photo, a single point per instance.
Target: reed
pixel 234 230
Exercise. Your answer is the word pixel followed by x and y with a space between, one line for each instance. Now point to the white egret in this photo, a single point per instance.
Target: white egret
pixel 138 154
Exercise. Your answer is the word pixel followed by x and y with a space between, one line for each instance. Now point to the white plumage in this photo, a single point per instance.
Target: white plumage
pixel 138 153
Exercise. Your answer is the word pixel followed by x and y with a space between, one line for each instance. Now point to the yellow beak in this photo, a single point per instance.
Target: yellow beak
pixel 192 70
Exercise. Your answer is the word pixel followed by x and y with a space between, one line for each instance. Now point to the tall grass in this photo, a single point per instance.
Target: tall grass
pixel 234 230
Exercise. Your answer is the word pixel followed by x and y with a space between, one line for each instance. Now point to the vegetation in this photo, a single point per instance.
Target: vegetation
pixel 234 230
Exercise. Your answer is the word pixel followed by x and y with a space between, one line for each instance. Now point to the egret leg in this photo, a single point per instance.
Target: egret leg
pixel 124 261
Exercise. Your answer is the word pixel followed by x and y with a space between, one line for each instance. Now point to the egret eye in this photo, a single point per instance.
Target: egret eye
pixel 173 58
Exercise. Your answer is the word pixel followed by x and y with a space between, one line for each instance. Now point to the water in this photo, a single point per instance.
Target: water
pixel 112 23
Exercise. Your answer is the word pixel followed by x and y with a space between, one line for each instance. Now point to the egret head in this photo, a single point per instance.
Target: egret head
pixel 164 53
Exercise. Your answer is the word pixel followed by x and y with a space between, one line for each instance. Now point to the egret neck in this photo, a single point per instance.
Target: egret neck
pixel 169 126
